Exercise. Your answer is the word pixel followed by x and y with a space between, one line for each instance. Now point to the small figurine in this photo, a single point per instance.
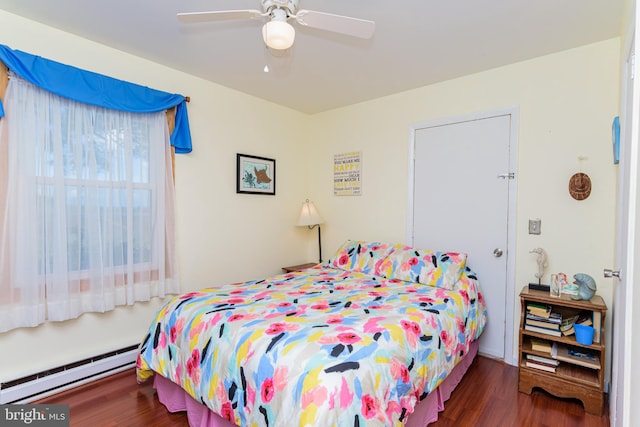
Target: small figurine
pixel 586 287
pixel 542 261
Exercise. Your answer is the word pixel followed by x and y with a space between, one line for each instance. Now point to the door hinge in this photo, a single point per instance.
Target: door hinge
pixel 509 175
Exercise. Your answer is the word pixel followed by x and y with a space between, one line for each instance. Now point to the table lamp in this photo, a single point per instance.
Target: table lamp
pixel 310 217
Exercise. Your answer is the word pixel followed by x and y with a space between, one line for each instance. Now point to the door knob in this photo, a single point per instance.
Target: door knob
pixel 497 252
pixel 611 273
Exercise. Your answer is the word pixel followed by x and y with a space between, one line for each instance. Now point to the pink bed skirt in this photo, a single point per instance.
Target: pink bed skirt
pixel 177 400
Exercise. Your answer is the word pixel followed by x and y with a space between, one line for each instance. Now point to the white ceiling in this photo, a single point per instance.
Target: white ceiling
pixel 416 42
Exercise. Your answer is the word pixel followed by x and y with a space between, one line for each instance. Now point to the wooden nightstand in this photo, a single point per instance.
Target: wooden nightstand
pixel 572 377
pixel 293 268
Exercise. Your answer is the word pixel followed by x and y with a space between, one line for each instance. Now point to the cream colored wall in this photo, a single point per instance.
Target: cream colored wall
pixel 566 104
pixel 222 236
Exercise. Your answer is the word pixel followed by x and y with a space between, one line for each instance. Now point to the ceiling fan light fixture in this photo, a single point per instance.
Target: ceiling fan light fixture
pixel 278 34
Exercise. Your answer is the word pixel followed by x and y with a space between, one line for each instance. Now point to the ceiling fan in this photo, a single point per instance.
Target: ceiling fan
pixel 277 32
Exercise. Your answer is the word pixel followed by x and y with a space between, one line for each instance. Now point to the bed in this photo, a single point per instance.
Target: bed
pixel 378 335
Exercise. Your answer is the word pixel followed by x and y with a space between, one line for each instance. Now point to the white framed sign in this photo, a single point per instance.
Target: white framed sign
pixel 347 174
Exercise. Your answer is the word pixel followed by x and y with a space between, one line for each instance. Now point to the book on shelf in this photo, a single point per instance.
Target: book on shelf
pixel 568 320
pixel 582 354
pixel 546 331
pixel 545 360
pixel 542 310
pixel 542 346
pixel 585 318
pixel 551 316
pixel 597 325
pixel 541 366
pixel 542 324
pixel 569 317
pixel 555 318
pixel 575 356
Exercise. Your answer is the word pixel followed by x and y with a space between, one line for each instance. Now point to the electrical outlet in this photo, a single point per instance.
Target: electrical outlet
pixel 535 226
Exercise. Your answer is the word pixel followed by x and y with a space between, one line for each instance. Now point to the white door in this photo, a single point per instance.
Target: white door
pixel 462 176
pixel 623 298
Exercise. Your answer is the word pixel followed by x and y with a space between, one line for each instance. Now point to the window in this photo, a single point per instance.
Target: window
pixel 87 202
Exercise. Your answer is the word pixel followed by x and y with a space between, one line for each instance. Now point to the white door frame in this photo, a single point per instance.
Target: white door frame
pixel 509 327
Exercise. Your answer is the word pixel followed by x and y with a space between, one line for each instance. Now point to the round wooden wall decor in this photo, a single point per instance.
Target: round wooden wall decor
pixel 580 186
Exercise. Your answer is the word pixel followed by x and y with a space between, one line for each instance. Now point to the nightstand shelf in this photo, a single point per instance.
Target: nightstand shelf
pixel 579 379
pixel 299 267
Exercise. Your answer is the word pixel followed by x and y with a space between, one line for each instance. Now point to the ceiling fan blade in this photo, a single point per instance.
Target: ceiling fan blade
pixel 224 15
pixel 337 23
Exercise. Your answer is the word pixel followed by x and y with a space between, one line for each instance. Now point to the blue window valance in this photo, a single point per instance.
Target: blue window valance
pixel 96 89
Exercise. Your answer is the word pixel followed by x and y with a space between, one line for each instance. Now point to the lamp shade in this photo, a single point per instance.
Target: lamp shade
pixel 278 34
pixel 309 215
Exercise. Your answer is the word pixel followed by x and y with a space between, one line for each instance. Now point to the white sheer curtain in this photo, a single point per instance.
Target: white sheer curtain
pixel 86 223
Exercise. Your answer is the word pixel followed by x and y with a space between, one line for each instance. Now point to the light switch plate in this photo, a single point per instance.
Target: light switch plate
pixel 535 226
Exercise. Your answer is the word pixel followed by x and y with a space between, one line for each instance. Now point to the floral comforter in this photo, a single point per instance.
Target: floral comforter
pixel 322 346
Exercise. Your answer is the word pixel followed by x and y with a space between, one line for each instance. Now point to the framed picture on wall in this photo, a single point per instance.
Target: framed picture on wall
pixel 255 175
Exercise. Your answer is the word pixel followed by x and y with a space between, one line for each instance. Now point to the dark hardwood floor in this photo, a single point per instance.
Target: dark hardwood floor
pixel 487 396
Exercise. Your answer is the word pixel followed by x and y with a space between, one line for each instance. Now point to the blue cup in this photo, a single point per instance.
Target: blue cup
pixel 584 334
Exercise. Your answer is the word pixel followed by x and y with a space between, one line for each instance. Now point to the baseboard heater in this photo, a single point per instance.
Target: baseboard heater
pixel 42 384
